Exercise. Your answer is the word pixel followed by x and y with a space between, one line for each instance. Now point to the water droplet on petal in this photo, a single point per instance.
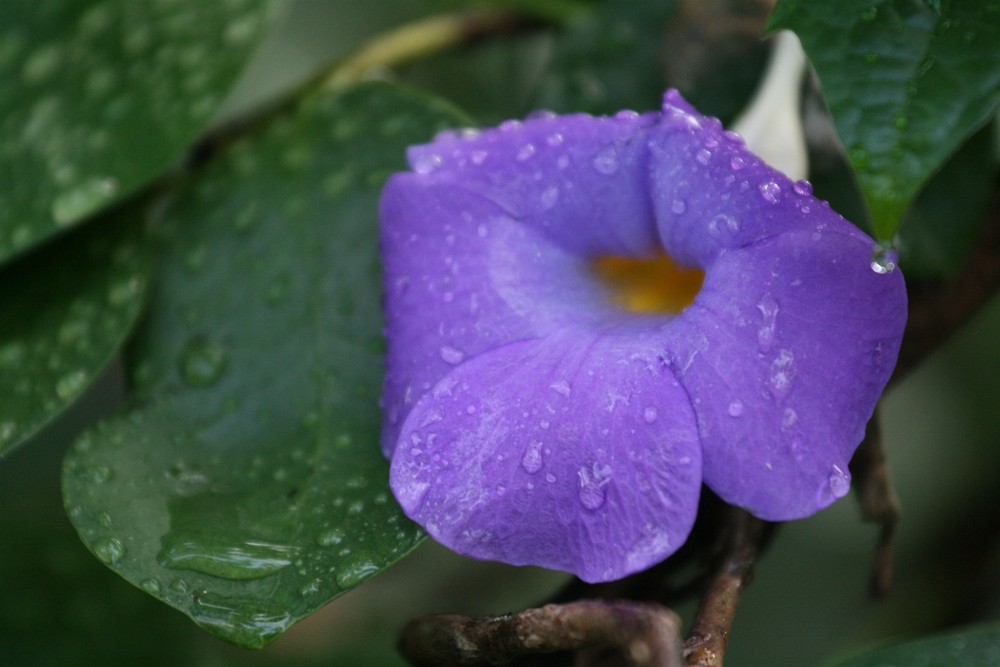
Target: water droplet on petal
pixel 782 373
pixel 478 157
pixel 561 387
pixel 426 163
pixel 649 415
pixel 803 187
pixel 451 355
pixel 884 258
pixel 723 223
pixel 840 482
pixel 592 482
pixel 770 191
pixel 549 197
pixel 532 459
pixel 526 152
pixel 703 156
pixel 606 161
pixel 554 139
pixel 736 163
pixel 789 418
pixel 735 408
pixel 678 206
pixel 768 308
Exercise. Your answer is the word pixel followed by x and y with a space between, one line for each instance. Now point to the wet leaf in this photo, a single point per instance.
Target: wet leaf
pixel 245 486
pixel 895 74
pixel 970 647
pixel 99 97
pixel 64 312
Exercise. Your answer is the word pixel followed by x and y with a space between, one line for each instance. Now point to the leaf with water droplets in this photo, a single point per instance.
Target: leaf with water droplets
pixel 246 478
pixel 99 98
pixel 906 84
pixel 64 312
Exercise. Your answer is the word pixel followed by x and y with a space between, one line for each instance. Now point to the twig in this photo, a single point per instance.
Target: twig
pixel 878 501
pixel 647 634
pixel 706 644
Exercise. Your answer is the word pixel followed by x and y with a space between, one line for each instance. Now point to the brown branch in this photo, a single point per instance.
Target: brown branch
pixel 646 634
pixel 878 501
pixel 706 645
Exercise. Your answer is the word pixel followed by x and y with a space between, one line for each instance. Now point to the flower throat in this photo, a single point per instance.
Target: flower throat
pixel 649 284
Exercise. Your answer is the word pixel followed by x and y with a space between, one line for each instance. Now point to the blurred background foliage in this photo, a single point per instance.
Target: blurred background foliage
pixel 808 603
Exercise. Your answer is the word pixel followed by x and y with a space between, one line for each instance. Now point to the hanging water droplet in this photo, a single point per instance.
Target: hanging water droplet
pixel 768 308
pixel 606 161
pixel 109 549
pixel 770 191
pixel 839 481
pixel 735 408
pixel 202 362
pixel 884 258
pixel 451 355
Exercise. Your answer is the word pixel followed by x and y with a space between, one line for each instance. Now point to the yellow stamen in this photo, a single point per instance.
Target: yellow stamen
pixel 649 285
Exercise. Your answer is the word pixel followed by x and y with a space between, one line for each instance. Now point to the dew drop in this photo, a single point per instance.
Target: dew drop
pixel 735 408
pixel 202 362
pixel 839 481
pixel 649 415
pixel 549 197
pixel 426 163
pixel 526 152
pixel 768 308
pixel 606 161
pixel 770 191
pixel 703 156
pixel 782 373
pixel 109 549
pixel 678 206
pixel 561 387
pixel 592 483
pixel 737 163
pixel 478 157
pixel 803 188
pixel 354 573
pixel 789 418
pixel 7 430
pixel 151 585
pixel 723 223
pixel 84 199
pixel 451 355
pixel 555 139
pixel 884 258
pixel 70 384
pixel 550 478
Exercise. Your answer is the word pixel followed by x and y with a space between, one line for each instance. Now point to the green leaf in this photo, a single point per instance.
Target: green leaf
pixel 973 646
pixel 64 312
pixel 245 486
pixel 99 97
pixel 906 83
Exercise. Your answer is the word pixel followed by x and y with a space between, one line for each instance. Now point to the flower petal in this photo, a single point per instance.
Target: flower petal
pixel 785 353
pixel 577 452
pixel 712 194
pixel 580 180
pixel 463 277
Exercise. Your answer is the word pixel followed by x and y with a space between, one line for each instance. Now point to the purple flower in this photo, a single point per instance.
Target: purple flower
pixel 537 414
